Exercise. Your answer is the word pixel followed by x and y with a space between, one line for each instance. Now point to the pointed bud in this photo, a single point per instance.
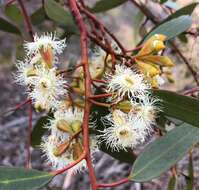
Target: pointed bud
pixel 124 106
pixel 47 56
pixel 58 151
pixel 64 126
pixel 77 150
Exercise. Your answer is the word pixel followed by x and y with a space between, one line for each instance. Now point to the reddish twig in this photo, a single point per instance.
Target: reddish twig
pixel 191 91
pixel 120 182
pixel 28 153
pixel 9 2
pixel 18 106
pixel 26 19
pixel 84 59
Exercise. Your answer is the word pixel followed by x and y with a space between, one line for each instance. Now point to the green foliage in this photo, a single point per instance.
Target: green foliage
pixel 164 152
pixel 187 10
pixel 172 28
pixel 14 13
pixel 104 5
pixel 172 183
pixel 39 130
pixel 178 106
pixel 8 27
pixel 38 16
pixel 15 178
pixel 61 16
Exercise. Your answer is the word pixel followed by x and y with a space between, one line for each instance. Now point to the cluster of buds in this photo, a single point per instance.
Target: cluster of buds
pixel 156 68
pixel 48 91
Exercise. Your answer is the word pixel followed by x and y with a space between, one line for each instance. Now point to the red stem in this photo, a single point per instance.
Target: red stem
pixel 28 159
pixel 26 20
pixel 84 59
pixel 120 182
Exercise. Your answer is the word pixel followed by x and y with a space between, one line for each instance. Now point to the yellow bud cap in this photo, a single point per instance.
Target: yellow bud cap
pixel 38 107
pixel 162 61
pixel 124 106
pixel 31 72
pixel 148 68
pixel 158 45
pixel 76 126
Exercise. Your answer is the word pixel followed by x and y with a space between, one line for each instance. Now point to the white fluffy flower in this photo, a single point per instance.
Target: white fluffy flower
pixel 25 72
pixel 45 41
pixel 48 147
pixel 145 111
pixel 48 88
pixel 122 132
pixel 126 82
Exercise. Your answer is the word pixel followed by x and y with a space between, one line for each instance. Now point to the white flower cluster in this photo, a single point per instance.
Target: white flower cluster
pixel 48 89
pixel 128 125
pixel 39 73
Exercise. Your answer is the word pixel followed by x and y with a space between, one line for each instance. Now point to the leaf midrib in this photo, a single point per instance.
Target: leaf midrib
pixel 24 179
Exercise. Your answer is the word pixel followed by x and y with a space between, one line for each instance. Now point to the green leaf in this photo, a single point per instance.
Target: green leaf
pixel 39 130
pixel 172 183
pixel 104 5
pixel 163 153
pixel 8 27
pixel 13 12
pixel 172 28
pixel 15 178
pixel 123 156
pixel 38 16
pixel 178 106
pixel 61 16
pixel 187 10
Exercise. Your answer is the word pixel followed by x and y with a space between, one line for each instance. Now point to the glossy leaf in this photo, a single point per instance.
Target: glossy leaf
pixel 15 178
pixel 163 153
pixel 38 131
pixel 61 16
pixel 172 28
pixel 104 5
pixel 38 16
pixel 8 27
pixel 14 13
pixel 178 106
